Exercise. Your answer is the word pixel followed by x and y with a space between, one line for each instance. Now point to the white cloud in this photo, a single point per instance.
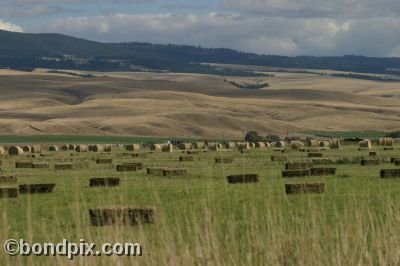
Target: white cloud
pixel 9 26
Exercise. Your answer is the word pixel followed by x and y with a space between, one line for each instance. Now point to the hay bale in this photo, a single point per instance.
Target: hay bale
pixel 15 150
pixel 296 173
pixel 365 144
pixel 156 147
pixel 185 146
pixel 243 146
pixel 304 188
pixel 36 188
pixel 315 155
pixel 246 178
pixel 298 165
pixel 158 171
pixel 186 159
pixel 10 192
pixel 373 153
pixel 215 146
pixel 393 159
pixel 121 215
pixel 231 145
pixel 167 148
pixel 260 145
pixel 104 161
pixel 8 179
pixel 323 144
pixel 104 182
pixel 224 160
pixel 200 145
pixel 133 147
pixel 334 144
pixel 2 151
pixel 54 148
pixel 139 165
pixel 279 158
pixel 107 147
pixel 390 173
pixel 64 166
pixel 385 141
pixel 321 171
pixel 388 148
pixel 368 162
pixel 27 148
pixel 312 143
pixel 82 148
pixel 72 147
pixel 64 147
pixel 175 172
pixel 98 148
pixel 252 145
pixel 267 144
pixel 295 144
pixel 397 162
pixel 127 168
pixel 23 165
pixel 36 149
pixel 280 144
pixel 40 165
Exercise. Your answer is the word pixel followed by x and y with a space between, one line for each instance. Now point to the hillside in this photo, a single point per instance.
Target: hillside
pixel 28 51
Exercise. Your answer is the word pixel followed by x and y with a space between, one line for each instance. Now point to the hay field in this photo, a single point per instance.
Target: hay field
pixel 202 220
pixel 167 104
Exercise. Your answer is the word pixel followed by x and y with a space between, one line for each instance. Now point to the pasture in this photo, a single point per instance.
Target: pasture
pixel 201 219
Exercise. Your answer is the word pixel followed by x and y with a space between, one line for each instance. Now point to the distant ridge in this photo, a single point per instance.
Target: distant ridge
pixel 28 51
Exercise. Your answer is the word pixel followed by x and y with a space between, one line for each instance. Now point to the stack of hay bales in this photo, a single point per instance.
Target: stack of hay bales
pixel 2 150
pixel 312 143
pixel 296 144
pixel 215 146
pixel 279 144
pixel 97 148
pixel 366 143
pixel 334 143
pixel 199 145
pixel 156 147
pixel 15 150
pixel 243 146
pixel 36 149
pixel 260 145
pixel 27 148
pixel 53 148
pixel 167 148
pixel 385 142
pixel 185 146
pixel 82 148
pixel 323 144
pixel 230 145
pixel 133 147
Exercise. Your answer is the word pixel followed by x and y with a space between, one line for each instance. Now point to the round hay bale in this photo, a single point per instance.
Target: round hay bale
pixel 2 150
pixel 27 148
pixel 385 142
pixel 231 145
pixel 53 148
pixel 334 144
pixel 185 146
pixel 296 144
pixel 64 147
pixel 260 145
pixel 36 149
pixel 366 143
pixel 215 146
pixel 312 143
pixel 280 144
pixel 132 147
pixel 156 147
pixel 107 147
pixel 82 148
pixel 72 147
pixel 15 150
pixel 252 145
pixel 97 148
pixel 200 145
pixel 267 144
pixel 243 146
pixel 167 148
pixel 323 143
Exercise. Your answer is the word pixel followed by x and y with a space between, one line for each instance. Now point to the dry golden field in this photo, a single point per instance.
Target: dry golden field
pixel 165 104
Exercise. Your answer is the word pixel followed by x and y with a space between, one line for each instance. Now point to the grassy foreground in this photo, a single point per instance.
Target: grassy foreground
pixel 203 220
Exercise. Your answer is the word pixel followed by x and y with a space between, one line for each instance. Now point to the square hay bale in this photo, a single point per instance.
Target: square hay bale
pixel 127 168
pixel 224 160
pixel 296 173
pixel 8 192
pixel 305 188
pixel 397 162
pixel 23 165
pixel 315 155
pixel 8 179
pixel 390 173
pixel 104 182
pixel 186 159
pixel 388 148
pixel 40 165
pixel 372 153
pixel 157 171
pixel 370 162
pixel 36 188
pixel 137 164
pixel 246 178
pixel 279 158
pixel 298 165
pixel 175 172
pixel 322 171
pixel 104 161
pixel 393 159
pixel 121 215
pixel 64 166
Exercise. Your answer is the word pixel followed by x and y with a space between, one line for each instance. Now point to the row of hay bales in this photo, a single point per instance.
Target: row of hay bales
pixel 166 147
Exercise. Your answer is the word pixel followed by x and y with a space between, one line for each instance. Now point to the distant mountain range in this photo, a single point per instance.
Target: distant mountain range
pixel 56 51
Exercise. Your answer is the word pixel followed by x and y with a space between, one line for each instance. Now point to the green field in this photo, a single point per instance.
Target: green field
pixel 202 220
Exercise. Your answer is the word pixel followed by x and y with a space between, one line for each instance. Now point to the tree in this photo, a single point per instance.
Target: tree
pixel 252 136
pixel 272 138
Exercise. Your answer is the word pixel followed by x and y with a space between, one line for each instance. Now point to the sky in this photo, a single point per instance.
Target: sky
pixel 280 27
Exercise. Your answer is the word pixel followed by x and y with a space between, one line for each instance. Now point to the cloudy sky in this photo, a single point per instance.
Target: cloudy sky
pixel 284 27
